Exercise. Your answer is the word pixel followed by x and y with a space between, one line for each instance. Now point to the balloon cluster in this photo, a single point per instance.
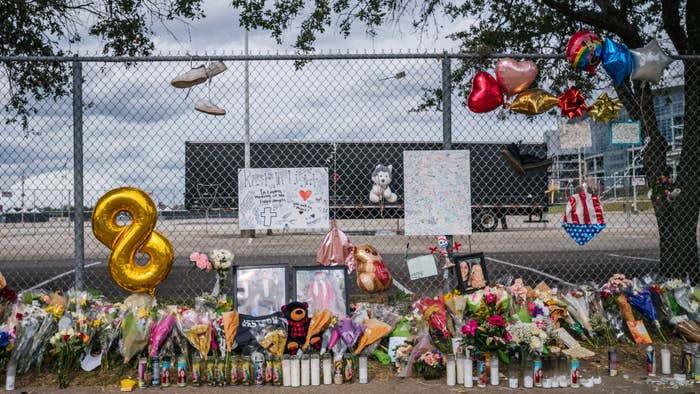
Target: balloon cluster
pixel 512 80
pixel 584 51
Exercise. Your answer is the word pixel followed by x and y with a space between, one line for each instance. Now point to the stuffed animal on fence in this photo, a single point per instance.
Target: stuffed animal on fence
pixel 381 177
pixel 297 314
pixel 372 274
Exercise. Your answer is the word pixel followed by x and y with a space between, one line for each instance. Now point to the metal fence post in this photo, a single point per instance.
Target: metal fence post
pixel 447 142
pixel 79 240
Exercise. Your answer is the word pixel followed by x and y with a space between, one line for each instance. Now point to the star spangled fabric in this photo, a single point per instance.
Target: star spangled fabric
pixel 584 217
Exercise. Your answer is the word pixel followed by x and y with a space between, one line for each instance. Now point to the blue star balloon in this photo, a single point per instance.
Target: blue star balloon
pixel 617 61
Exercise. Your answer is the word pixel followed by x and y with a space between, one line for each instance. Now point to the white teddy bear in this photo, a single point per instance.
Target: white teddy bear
pixel 381 176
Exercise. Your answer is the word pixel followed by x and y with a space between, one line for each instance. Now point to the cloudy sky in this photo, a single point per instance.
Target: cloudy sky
pixel 136 124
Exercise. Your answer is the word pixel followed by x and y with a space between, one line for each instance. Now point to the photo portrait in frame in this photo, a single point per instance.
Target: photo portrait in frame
pixel 260 289
pixel 322 288
pixel 470 271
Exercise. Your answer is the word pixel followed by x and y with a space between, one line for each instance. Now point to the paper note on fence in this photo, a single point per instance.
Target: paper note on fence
pixel 625 133
pixel 283 198
pixel 575 135
pixel 421 267
pixel 437 192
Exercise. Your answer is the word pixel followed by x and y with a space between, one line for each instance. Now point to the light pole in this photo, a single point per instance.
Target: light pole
pixel 636 157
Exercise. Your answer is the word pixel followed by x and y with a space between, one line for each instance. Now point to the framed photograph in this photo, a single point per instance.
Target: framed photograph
pixel 322 288
pixel 260 289
pixel 470 271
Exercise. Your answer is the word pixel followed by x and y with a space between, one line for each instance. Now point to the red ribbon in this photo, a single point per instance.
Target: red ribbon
pixel 572 103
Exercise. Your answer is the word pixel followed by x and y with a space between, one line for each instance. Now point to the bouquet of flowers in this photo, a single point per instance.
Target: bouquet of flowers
pixel 109 321
pixel 430 365
pixel 220 260
pixel 196 327
pixel 402 355
pixel 578 305
pixel 34 328
pixel 67 345
pixel 7 339
pixel 529 337
pixel 683 295
pixel 663 188
pixel 136 329
pixel 433 311
pixel 456 305
pixel 519 302
pixel 486 331
pixel 640 298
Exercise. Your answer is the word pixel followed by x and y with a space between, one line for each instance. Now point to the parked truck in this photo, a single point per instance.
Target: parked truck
pixel 211 180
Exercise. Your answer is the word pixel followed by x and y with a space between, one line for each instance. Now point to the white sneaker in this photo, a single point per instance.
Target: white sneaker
pixel 208 108
pixel 215 68
pixel 193 77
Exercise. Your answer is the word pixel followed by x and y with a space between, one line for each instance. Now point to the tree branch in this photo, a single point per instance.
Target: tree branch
pixel 611 19
pixel 671 19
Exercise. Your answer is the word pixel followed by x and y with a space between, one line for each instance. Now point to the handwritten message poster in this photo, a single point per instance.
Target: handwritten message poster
pixel 282 198
pixel 437 192
pixel 575 135
pixel 625 133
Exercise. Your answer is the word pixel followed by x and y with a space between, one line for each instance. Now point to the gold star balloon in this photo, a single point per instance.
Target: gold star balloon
pixel 605 109
pixel 533 102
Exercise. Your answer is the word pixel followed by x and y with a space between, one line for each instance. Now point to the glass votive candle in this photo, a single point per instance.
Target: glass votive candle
pixel 315 370
pixel 362 365
pixel 451 370
pixel 327 369
pixel 295 371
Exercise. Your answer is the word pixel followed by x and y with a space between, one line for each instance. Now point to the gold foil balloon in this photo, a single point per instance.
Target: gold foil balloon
pixel 126 241
pixel 533 102
pixel 605 109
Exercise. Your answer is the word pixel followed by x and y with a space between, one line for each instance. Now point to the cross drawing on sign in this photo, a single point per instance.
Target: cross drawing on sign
pixel 267 215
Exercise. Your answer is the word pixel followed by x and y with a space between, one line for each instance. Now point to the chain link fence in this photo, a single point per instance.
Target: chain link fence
pixel 343 112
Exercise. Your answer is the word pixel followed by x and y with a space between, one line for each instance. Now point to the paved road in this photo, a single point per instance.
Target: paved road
pixel 31 254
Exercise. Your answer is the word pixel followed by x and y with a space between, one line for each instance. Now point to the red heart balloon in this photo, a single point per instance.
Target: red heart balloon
pixel 514 77
pixel 486 94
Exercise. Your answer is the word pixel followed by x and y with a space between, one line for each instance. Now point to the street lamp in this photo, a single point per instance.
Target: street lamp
pixel 636 157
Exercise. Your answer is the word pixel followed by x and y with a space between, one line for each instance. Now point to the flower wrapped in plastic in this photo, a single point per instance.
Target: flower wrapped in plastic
pixel 7 339
pixel 640 298
pixel 136 330
pixel 34 327
pixel 433 310
pixel 196 327
pixel 160 330
pixel 688 328
pixel 109 321
pixel 373 332
pixel 318 324
pixel 578 307
pixel 519 305
pixel 528 337
pixel 683 295
pixel 456 305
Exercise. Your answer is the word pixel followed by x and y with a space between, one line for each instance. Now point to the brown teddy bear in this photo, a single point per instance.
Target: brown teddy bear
pixel 372 275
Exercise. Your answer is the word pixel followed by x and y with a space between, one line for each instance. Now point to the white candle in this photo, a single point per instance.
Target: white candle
pixel 513 383
pixel 555 382
pixel 460 369
pixel 451 371
pixel 468 372
pixel 665 360
pixel 315 370
pixel 494 370
pixel 563 380
pixel 363 369
pixel 527 381
pixel 305 370
pixel 547 383
pixel 327 370
pixel 294 367
pixel 10 375
pixel 286 372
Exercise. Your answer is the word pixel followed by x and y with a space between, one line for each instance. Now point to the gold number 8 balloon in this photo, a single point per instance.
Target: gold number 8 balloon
pixel 126 241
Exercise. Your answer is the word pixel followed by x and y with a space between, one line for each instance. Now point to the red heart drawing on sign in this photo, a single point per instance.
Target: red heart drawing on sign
pixel 305 194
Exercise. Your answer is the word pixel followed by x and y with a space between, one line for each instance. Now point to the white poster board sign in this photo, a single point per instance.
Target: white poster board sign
pixel 575 135
pixel 625 133
pixel 282 198
pixel 421 267
pixel 437 192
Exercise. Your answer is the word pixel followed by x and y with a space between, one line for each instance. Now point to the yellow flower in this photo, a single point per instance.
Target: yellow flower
pixel 97 323
pixel 142 313
pixel 83 302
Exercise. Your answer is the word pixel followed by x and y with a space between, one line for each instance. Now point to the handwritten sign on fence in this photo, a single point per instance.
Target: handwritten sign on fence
pixel 282 198
pixel 437 192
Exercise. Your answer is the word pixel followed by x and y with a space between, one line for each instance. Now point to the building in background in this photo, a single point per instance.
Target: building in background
pixel 617 168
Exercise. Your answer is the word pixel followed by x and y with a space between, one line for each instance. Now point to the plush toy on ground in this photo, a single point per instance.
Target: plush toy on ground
pixel 381 177
pixel 297 314
pixel 372 274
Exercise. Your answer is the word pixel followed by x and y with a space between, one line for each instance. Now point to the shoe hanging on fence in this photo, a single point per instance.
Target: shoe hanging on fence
pixel 207 107
pixel 198 75
pixel 583 219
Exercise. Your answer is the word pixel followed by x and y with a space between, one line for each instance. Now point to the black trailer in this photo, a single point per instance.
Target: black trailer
pixel 211 176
